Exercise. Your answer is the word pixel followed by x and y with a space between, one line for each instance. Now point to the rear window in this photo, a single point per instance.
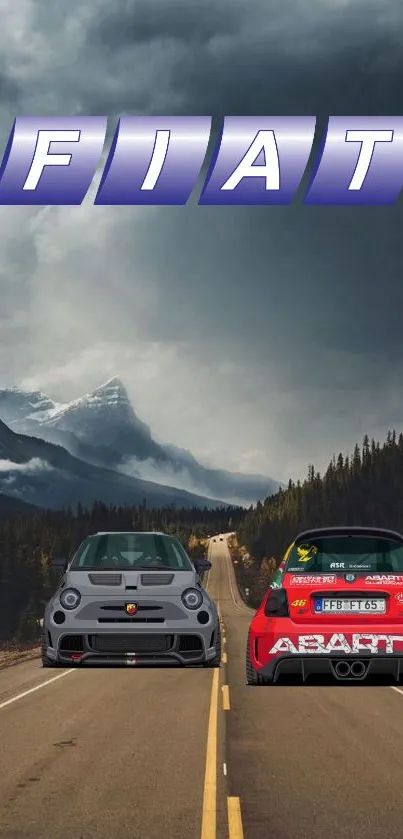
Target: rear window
pixel 346 553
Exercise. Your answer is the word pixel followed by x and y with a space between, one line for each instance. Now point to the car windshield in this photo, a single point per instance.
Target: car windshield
pixel 148 551
pixel 346 553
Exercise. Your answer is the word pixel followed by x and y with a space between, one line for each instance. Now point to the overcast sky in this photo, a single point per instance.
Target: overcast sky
pixel 260 338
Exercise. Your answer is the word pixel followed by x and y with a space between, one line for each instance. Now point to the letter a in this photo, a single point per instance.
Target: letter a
pixel 265 142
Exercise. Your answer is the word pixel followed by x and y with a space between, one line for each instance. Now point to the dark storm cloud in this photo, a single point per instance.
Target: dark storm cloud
pixel 264 57
pixel 286 277
pixel 135 23
pixel 272 336
pixel 9 89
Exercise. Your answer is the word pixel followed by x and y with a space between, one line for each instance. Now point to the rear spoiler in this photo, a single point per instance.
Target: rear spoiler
pixel 377 532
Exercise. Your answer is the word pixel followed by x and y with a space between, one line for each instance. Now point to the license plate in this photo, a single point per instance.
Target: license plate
pixel 350 606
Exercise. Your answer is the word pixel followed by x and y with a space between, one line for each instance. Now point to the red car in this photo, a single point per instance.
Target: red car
pixel 334 607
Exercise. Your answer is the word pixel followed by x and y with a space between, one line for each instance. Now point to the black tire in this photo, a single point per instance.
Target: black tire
pixel 216 661
pixel 253 678
pixel 46 661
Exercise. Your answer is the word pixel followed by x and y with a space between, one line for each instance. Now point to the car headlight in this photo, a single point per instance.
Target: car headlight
pixel 192 598
pixel 70 598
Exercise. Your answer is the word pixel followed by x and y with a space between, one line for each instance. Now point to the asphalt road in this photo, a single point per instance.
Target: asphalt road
pixel 134 753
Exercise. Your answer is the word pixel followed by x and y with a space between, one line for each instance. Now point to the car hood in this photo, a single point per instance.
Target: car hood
pixel 130 583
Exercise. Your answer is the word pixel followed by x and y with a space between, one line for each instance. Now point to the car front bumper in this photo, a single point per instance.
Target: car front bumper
pixel 139 647
pixel 161 631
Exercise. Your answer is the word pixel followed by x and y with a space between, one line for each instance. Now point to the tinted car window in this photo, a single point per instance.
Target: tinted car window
pixel 347 553
pixel 130 551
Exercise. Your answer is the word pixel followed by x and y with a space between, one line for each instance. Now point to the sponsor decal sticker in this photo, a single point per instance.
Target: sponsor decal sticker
pixel 306 552
pixel 338 643
pixel 298 603
pixel 312 579
pixel 349 566
pixel 399 597
pixel 384 579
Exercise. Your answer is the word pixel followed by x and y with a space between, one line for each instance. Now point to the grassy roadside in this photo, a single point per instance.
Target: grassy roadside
pixel 13 654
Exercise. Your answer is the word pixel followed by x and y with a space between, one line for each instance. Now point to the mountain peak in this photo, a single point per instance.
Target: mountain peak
pixel 110 394
pixel 106 415
pixel 111 391
pixel 16 404
pixel 114 382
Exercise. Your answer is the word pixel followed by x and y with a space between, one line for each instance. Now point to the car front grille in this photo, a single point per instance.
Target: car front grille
pixel 140 608
pixel 190 643
pixel 131 643
pixel 156 579
pixel 72 643
pixel 131 620
pixel 105 579
pixel 141 615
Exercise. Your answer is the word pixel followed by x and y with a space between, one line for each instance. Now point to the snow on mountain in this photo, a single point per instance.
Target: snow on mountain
pixel 109 403
pixel 17 405
pixel 103 428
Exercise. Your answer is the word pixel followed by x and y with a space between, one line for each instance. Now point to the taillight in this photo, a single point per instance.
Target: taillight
pixel 276 605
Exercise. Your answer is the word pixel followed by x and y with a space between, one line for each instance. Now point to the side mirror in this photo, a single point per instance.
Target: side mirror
pixel 59 564
pixel 202 565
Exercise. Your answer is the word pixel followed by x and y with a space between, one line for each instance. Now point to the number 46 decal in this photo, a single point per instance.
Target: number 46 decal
pixel 298 603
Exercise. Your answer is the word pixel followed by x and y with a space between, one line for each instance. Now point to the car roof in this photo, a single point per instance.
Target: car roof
pixel 381 532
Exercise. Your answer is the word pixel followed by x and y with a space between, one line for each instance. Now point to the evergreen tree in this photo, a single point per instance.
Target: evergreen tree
pixel 355 490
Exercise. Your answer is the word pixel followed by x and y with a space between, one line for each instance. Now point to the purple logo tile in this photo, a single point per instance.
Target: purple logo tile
pixel 154 160
pixel 361 162
pixel 51 160
pixel 259 160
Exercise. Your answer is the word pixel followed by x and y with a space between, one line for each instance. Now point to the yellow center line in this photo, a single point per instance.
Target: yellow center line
pixel 225 698
pixel 209 815
pixel 224 658
pixel 234 818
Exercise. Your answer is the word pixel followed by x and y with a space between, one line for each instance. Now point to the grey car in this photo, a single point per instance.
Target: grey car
pixel 132 598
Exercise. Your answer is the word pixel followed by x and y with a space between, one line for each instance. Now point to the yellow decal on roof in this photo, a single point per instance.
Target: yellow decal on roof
pixel 306 552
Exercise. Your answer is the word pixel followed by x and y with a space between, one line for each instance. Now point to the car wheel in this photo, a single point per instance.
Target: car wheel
pixel 254 678
pixel 46 661
pixel 216 661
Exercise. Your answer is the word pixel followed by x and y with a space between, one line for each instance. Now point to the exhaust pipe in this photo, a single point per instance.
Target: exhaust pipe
pixel 342 669
pixel 357 669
